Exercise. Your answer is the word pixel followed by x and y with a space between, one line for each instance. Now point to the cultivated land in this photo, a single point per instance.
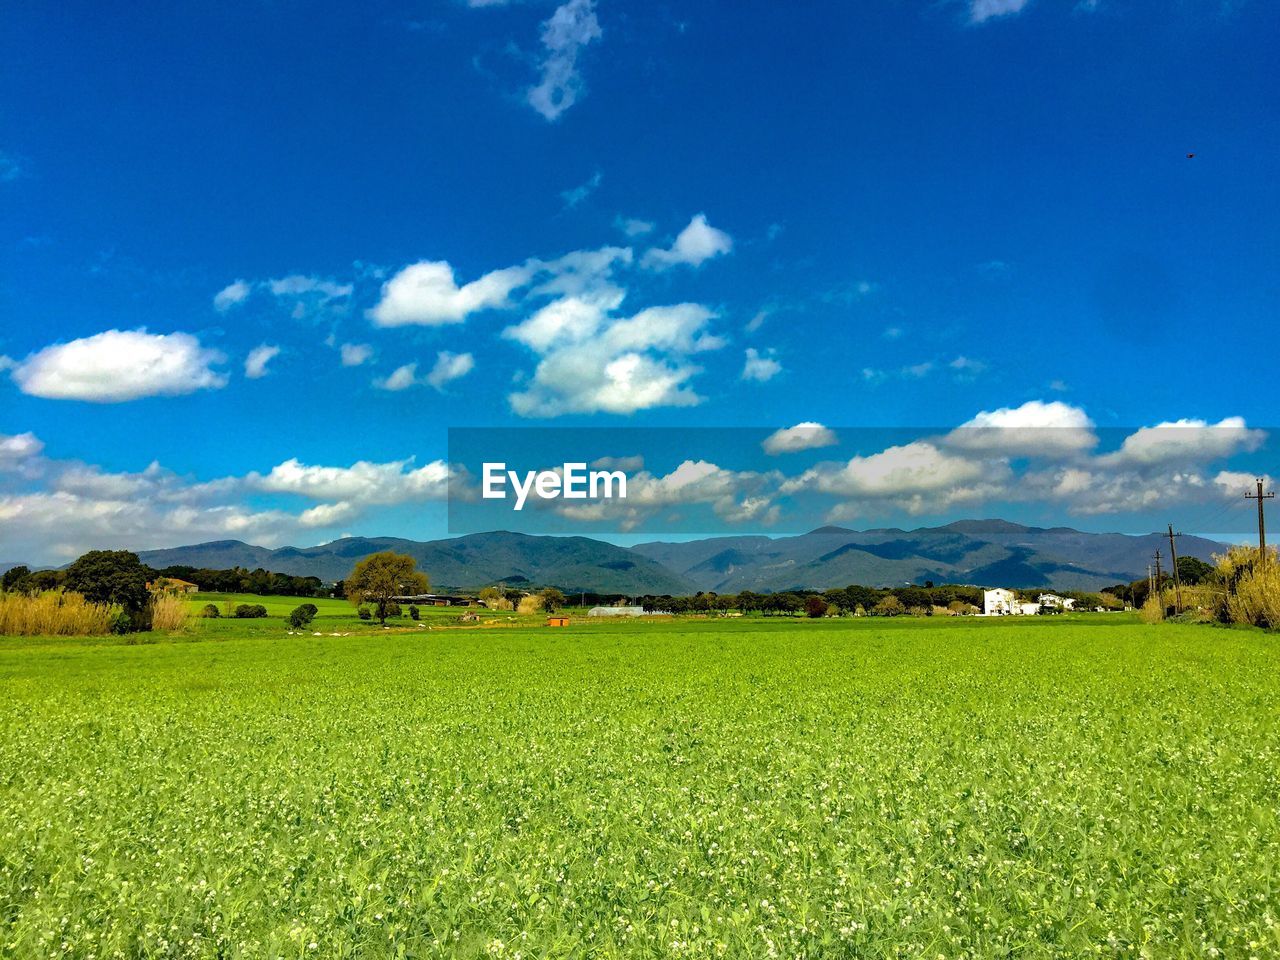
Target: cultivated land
pixel 1060 787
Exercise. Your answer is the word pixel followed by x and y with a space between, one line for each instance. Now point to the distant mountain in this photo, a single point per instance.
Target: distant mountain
pixel 570 563
pixel 982 552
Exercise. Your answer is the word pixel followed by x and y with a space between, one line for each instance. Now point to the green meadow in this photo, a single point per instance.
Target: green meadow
pixel 942 788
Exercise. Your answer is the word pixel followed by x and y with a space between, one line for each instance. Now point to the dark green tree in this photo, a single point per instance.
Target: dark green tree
pixel 112 577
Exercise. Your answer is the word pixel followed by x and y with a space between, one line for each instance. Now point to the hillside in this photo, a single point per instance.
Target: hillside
pixel 571 563
pixel 985 552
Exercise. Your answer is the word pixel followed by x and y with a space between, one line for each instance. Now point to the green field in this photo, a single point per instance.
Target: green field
pixel 855 788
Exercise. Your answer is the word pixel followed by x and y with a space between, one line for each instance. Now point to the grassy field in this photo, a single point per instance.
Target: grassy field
pixel 859 788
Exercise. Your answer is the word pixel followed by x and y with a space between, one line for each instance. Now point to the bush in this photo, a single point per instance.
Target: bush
pixel 1152 611
pixel 250 611
pixel 530 605
pixel 121 623
pixel 815 607
pixel 302 615
pixel 364 613
pixel 210 611
pixel 413 613
pixel 393 609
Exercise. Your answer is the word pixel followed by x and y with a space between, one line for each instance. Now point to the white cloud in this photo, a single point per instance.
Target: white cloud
pixel 571 27
pixel 120 365
pixel 898 472
pixel 695 244
pixel 17 450
pixel 364 482
pixel 1186 441
pixel 1034 429
pixel 449 366
pixel 757 321
pixel 760 367
pixel 355 354
pixel 576 195
pixel 255 365
pixel 981 11
pixel 803 436
pixel 426 294
pixel 632 226
pixel 591 362
pixel 327 514
pixel 402 378
pixel 232 294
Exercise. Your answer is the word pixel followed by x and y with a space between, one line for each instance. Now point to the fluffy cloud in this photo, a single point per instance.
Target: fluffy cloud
pixel 426 294
pixel 760 367
pixel 449 366
pixel 981 11
pixel 592 362
pixel 694 245
pixel 120 365
pixel 900 473
pixel 355 354
pixel 305 292
pixel 1034 429
pixel 632 226
pixel 255 365
pixel 571 27
pixel 803 436
pixel 1186 441
pixel 363 482
pixel 18 450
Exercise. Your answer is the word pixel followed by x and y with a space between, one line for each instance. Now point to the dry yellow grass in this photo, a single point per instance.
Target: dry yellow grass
pixel 169 612
pixel 52 614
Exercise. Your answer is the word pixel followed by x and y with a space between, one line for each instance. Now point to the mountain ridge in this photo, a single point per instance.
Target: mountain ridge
pixel 988 552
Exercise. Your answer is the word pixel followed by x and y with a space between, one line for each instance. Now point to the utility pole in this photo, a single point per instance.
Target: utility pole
pixel 1262 522
pixel 1177 579
pixel 1157 593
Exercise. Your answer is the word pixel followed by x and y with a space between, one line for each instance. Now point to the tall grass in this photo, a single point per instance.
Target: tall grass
pixel 52 614
pixel 1252 586
pixel 169 612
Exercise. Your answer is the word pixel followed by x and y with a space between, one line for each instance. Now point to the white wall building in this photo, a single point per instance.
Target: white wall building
pixel 998 602
pixel 1053 600
pixel 616 612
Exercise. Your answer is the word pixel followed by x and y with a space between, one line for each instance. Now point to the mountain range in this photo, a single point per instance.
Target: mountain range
pixel 981 552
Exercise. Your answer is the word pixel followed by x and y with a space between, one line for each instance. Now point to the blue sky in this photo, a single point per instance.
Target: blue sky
pixel 256 244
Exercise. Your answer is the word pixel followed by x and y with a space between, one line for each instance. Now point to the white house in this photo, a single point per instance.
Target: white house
pixel 1027 609
pixel 1053 600
pixel 616 612
pixel 998 602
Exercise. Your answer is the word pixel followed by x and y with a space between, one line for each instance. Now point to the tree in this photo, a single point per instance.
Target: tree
pixel 302 615
pixel 381 576
pixel 1193 570
pixel 552 599
pixel 815 606
pixel 113 577
pixel 15 578
pixel 890 606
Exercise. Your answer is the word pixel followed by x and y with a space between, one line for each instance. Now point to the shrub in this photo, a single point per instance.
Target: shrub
pixel 393 609
pixel 52 614
pixel 211 611
pixel 121 623
pixel 1152 611
pixel 529 605
pixel 250 611
pixel 364 613
pixel 413 613
pixel 168 612
pixel 302 615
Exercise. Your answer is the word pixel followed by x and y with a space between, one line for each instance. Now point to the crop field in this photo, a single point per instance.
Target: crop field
pixel 936 788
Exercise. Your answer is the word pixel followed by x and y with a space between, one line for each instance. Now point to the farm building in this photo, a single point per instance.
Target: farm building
pixel 998 602
pixel 438 600
pixel 173 585
pixel 616 612
pixel 557 621
pixel 1052 600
